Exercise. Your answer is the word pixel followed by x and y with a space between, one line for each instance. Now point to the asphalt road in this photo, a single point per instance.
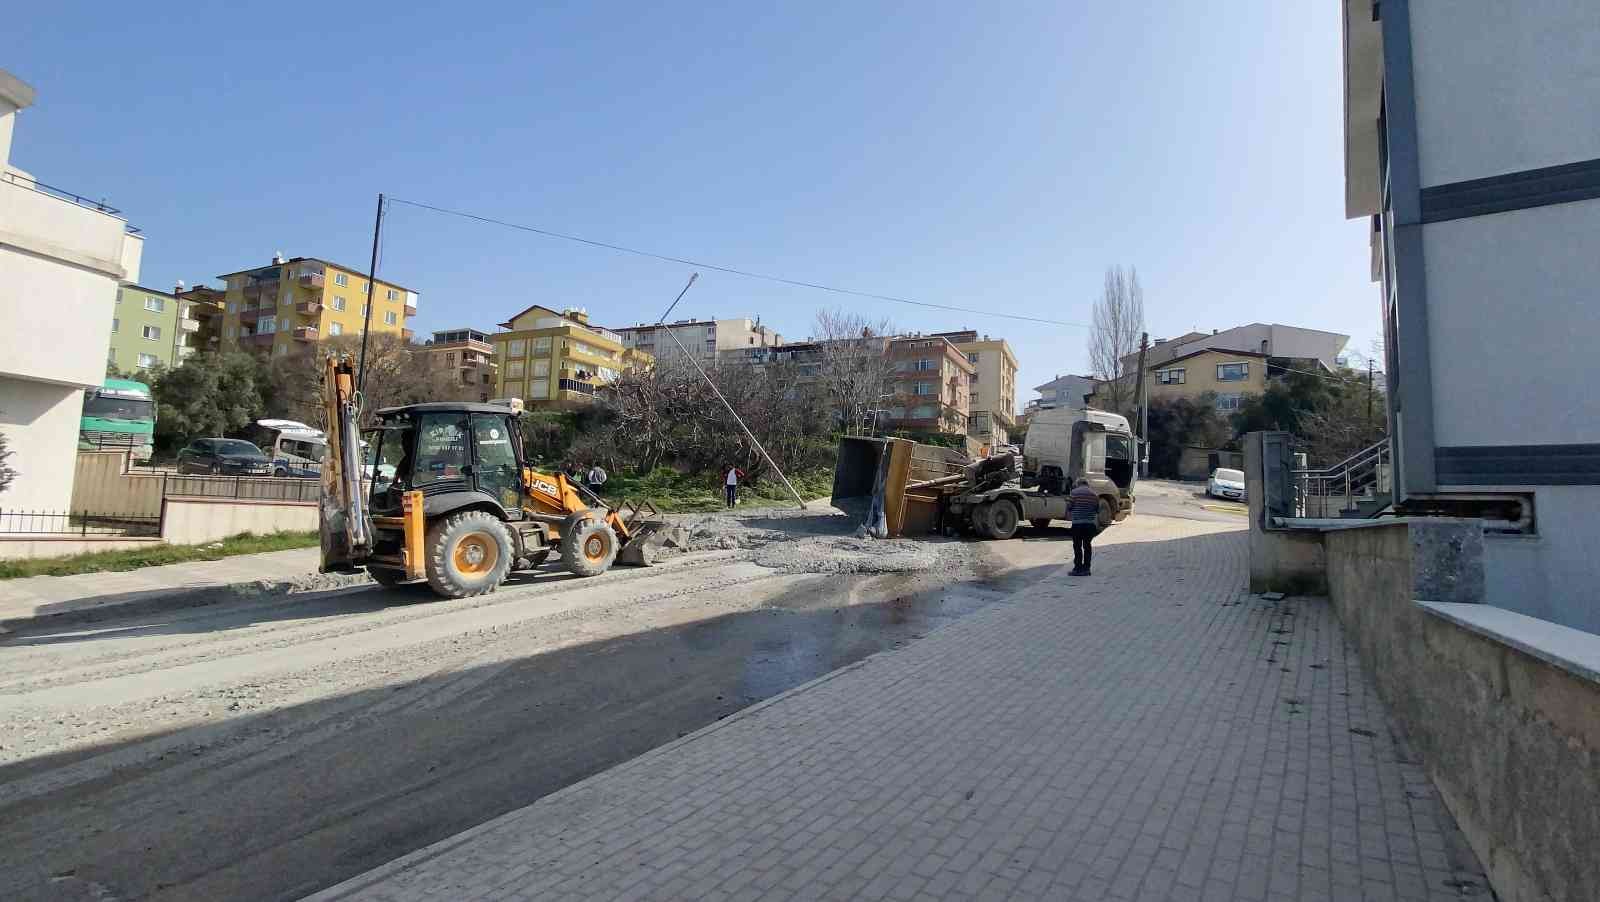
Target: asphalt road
pixel 264 751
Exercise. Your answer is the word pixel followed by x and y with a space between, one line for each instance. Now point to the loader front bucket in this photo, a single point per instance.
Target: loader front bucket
pixel 648 538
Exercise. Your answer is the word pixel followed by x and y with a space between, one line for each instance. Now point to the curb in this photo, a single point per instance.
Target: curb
pixel 204 596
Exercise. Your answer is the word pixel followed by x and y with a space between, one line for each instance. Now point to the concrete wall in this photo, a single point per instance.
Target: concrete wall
pixel 1512 305
pixel 191 521
pixel 1554 575
pixel 1502 87
pixel 1281 560
pixel 40 422
pixel 101 484
pixel 24 548
pixel 1511 740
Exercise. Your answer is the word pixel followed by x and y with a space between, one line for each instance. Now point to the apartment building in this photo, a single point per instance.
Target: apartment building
pixel 555 359
pixel 62 259
pixel 1063 391
pixel 931 388
pixel 706 340
pixel 1230 375
pixel 1472 149
pixel 204 306
pixel 468 355
pixel 144 329
pixel 1269 339
pixel 295 303
pixel 992 387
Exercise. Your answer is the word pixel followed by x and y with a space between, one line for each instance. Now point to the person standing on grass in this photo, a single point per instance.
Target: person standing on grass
pixel 1084 506
pixel 730 484
pixel 596 477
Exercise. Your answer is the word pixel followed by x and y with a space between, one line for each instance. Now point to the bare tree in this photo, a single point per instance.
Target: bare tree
pixel 1118 322
pixel 855 367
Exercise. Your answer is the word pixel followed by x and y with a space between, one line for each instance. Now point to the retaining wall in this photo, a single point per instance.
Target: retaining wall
pixel 193 521
pixel 102 484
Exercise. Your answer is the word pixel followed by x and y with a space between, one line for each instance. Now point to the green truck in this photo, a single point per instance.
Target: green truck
pixel 118 415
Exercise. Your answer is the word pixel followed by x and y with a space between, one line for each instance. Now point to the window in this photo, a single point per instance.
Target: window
pixel 148 360
pixel 233 306
pixel 232 332
pixel 925 363
pixel 541 369
pixel 514 369
pixel 155 305
pixel 335 328
pixel 266 325
pixel 153 333
pixel 972 357
pixel 288 298
pixel 922 412
pixel 972 379
pixel 115 323
pixel 281 350
pixel 1230 402
pixel 338 302
pixel 922 388
pixel 1233 372
pixel 450 359
pixel 441 449
pixel 1170 377
pixel 364 309
pixel 119 295
pixel 341 280
pixel 394 295
pixel 389 318
pixel 541 347
pixel 111 355
pixel 516 348
pixel 539 390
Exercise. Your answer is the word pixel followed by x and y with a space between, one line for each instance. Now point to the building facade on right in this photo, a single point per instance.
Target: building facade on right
pixel 1472 146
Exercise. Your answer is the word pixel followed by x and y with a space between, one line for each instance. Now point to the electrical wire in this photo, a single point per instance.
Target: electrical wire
pixel 798 283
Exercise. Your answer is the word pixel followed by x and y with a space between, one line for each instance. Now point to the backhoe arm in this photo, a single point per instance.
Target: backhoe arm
pixel 343 521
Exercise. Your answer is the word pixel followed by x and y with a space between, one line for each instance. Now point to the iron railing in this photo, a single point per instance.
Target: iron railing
pixel 76 523
pixel 241 488
pixel 1363 476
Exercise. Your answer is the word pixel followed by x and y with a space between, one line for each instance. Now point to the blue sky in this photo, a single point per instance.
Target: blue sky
pixel 996 157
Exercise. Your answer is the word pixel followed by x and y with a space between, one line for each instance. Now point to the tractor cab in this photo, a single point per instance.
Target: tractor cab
pixel 455 454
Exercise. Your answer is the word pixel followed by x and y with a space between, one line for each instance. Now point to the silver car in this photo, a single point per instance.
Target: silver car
pixel 1227 484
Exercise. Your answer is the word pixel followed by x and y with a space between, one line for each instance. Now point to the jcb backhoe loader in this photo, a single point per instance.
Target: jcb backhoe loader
pixel 447 496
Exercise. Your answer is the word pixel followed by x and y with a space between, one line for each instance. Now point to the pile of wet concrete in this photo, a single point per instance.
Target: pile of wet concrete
pixel 823 541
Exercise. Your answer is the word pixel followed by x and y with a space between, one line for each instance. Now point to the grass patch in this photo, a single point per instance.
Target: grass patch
pixel 156 555
pixel 677 493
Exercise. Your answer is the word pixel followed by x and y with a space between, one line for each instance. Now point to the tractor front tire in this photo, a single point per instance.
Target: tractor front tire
pixel 588 547
pixel 468 554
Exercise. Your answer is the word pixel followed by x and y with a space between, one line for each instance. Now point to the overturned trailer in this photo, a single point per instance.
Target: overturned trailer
pixel 896 487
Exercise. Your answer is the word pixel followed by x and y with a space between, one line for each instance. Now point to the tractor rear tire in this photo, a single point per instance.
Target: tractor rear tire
pixel 388 577
pixel 468 554
pixel 1004 517
pixel 588 546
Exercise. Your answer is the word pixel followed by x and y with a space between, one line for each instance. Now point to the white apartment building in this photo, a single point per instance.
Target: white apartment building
pixel 706 340
pixel 1472 147
pixel 62 258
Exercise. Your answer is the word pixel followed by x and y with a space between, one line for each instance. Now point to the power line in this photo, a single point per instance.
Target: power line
pixel 798 283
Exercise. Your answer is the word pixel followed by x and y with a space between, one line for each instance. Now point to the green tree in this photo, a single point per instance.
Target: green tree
pixel 1179 422
pixel 210 394
pixel 7 474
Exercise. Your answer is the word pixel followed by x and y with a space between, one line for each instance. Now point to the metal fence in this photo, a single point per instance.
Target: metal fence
pixel 242 488
pixel 79 523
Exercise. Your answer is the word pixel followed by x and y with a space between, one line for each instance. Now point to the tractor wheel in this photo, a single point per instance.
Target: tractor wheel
pixel 1107 514
pixel 588 546
pixel 468 554
pixel 387 577
pixel 1040 523
pixel 1004 517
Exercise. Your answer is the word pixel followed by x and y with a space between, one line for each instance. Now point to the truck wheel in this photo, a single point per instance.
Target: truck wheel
pixel 1040 523
pixel 588 547
pixel 1004 517
pixel 387 577
pixel 1107 514
pixel 468 554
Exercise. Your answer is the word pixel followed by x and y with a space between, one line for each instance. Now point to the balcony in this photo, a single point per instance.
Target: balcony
pixel 259 340
pixel 189 325
pixel 573 385
pixel 310 280
pixel 308 308
pixel 306 333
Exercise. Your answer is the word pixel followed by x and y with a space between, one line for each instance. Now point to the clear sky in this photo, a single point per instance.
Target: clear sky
pixel 991 156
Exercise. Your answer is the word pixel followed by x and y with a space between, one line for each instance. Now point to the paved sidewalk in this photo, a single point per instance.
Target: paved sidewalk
pixel 45 596
pixel 1151 732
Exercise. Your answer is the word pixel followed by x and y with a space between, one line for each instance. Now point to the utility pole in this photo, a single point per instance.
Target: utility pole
pixel 1369 395
pixel 1144 410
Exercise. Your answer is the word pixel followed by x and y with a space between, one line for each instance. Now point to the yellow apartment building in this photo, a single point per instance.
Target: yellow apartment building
pixel 300 301
pixel 992 387
pixel 1230 374
pixel 554 359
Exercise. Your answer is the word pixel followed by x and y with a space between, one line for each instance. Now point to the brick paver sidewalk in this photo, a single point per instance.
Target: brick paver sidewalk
pixel 1151 732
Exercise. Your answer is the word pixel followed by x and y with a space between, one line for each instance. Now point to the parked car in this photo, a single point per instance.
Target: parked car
pixel 224 457
pixel 1227 484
